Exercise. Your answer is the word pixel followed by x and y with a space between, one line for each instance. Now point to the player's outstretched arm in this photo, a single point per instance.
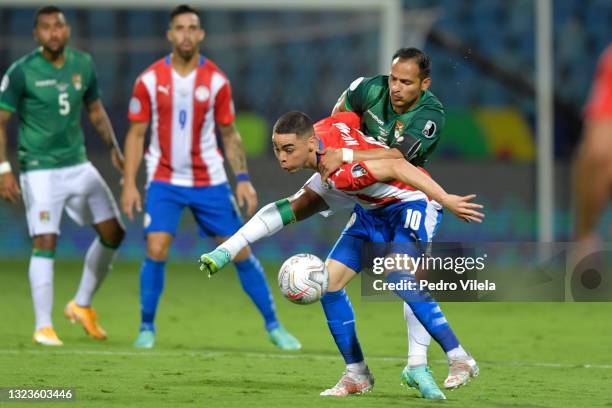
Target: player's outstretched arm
pixel 134 146
pixel 9 189
pixel 245 193
pixel 100 121
pixel 332 158
pixel 266 222
pixel 401 170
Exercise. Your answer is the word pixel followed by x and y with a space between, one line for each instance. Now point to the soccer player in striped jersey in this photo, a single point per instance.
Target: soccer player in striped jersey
pixel 384 190
pixel 48 88
pixel 184 96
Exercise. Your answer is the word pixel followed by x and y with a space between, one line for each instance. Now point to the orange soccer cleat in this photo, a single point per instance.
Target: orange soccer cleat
pixel 87 317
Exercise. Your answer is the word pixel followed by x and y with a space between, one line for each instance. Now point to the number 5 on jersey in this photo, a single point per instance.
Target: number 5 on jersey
pixel 64 104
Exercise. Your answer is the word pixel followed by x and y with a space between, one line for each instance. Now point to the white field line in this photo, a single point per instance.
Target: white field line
pixel 288 356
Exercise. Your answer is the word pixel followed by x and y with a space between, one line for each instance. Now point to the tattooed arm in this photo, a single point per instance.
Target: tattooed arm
pixel 100 121
pixel 245 193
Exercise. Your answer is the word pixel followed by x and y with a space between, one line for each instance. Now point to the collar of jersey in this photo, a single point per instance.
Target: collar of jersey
pixel 200 63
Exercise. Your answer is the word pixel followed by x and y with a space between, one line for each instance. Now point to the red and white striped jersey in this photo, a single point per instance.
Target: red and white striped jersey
pixel 355 180
pixel 183 113
pixel 599 105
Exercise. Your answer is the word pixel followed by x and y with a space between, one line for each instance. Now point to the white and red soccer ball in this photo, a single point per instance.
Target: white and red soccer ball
pixel 303 279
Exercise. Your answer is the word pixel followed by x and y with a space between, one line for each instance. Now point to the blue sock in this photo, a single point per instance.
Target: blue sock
pixel 427 310
pixel 341 322
pixel 254 283
pixel 151 287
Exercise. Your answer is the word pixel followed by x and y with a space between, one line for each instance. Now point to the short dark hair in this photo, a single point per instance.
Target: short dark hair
pixel 294 122
pixel 183 9
pixel 420 58
pixel 46 10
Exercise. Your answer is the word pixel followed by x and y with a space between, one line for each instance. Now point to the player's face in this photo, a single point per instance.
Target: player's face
pixel 292 151
pixel 405 84
pixel 185 34
pixel 52 32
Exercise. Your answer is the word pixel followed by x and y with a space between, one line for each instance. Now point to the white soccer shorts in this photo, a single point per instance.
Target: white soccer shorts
pixel 79 189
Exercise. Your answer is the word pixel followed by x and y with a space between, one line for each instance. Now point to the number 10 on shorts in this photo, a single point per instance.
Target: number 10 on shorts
pixel 413 219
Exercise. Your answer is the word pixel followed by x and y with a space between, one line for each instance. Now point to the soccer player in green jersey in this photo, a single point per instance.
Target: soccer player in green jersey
pixel 48 88
pixel 399 110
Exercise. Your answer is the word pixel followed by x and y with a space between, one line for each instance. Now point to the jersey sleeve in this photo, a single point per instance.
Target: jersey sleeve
pixel 12 88
pixel 421 135
pixel 352 177
pixel 356 96
pixel 335 200
pixel 224 106
pixel 92 92
pixel 140 103
pixel 599 105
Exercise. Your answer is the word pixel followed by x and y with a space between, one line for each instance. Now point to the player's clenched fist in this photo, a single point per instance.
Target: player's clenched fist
pixel 130 198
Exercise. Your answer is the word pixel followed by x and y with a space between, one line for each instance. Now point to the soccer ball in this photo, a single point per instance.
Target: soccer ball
pixel 303 279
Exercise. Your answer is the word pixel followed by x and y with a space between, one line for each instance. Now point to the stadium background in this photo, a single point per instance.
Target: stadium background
pixel 483 71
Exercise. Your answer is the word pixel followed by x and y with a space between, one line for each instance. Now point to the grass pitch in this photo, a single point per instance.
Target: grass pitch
pixel 212 350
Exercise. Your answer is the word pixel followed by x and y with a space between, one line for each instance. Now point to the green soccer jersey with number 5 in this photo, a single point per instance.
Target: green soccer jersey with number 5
pixel 415 133
pixel 49 102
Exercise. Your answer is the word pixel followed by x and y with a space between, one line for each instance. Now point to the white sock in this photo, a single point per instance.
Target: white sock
pixel 98 261
pixel 457 353
pixel 418 339
pixel 265 222
pixel 41 283
pixel 357 368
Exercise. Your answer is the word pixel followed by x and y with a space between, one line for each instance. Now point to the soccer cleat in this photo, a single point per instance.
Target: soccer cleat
pixel 47 337
pixel 213 261
pixel 87 317
pixel 283 339
pixel 145 339
pixel 351 383
pixel 460 371
pixel 421 379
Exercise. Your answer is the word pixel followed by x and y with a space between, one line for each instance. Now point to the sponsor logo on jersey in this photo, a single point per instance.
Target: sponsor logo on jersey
pixel 62 87
pixel 345 133
pixel 202 93
pixel 358 171
pixel 135 105
pixel 44 216
pixel 430 129
pixel 4 84
pixel 164 89
pixel 376 118
pixel 399 130
pixel 45 82
pixel 76 81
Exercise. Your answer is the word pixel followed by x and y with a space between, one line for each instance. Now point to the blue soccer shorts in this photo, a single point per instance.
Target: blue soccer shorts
pixel 213 207
pixel 403 223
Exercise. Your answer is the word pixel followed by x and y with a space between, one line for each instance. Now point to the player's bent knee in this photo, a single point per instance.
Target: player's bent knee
pixel 339 275
pixel 111 232
pixel 158 245
pixel 44 242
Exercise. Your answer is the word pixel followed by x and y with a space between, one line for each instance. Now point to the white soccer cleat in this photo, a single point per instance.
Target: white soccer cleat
pixel 351 383
pixel 460 371
pixel 47 337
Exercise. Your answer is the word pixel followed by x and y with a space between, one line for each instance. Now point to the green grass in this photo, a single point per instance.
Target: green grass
pixel 212 350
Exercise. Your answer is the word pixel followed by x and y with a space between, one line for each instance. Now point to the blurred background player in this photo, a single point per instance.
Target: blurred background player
pixel 48 88
pixel 382 208
pixel 400 111
pixel 593 165
pixel 185 95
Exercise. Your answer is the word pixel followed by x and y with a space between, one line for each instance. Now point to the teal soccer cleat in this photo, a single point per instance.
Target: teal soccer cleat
pixel 145 339
pixel 421 379
pixel 283 339
pixel 213 261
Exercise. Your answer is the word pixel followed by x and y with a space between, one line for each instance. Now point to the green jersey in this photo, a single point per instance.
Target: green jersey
pixel 49 102
pixel 415 133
